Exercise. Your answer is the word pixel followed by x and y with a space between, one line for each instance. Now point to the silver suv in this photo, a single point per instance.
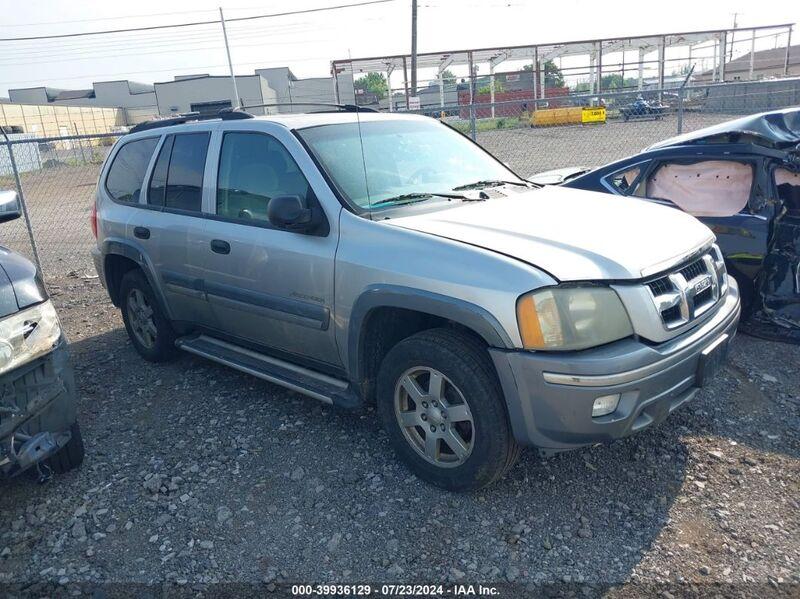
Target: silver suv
pixel 358 257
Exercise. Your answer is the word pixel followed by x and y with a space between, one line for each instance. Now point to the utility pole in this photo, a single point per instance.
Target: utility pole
pixel 236 100
pixel 414 47
pixel 733 34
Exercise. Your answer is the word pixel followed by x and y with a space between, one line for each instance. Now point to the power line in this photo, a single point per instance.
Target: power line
pixel 195 23
pixel 184 68
pixel 139 16
pixel 182 43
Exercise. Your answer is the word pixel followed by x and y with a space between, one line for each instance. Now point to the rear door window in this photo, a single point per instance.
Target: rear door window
pixel 704 188
pixel 126 176
pixel 787 183
pixel 158 180
pixel 177 179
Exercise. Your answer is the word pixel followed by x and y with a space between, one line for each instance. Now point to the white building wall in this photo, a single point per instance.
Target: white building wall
pixel 318 89
pixel 176 97
pixel 278 79
pixel 118 94
pixel 347 94
pixel 108 94
pixel 28 95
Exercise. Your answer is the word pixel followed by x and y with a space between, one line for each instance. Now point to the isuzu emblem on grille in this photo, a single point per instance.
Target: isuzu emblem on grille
pixel 689 296
pixel 702 285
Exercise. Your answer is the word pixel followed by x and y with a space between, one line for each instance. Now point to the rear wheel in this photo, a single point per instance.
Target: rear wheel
pixel 147 326
pixel 442 407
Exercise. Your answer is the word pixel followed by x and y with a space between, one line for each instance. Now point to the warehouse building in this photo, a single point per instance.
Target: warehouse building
pixel 105 94
pixel 208 94
pixel 202 93
pixel 774 62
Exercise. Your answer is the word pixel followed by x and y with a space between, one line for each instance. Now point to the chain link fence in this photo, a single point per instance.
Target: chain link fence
pixel 535 135
pixel 56 176
pixel 55 179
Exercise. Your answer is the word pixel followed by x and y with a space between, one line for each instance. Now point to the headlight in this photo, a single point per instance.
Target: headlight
pixel 27 335
pixel 571 318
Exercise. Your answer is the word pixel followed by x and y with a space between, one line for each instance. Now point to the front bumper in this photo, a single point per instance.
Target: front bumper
pixel 550 394
pixel 38 406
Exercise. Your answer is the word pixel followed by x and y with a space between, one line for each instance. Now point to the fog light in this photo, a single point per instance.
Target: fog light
pixel 603 406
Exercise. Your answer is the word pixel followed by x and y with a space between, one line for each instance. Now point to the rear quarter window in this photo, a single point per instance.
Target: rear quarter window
pixel 125 178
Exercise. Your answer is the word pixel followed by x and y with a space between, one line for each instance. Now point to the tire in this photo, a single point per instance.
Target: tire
pixel 138 303
pixel 71 455
pixel 463 365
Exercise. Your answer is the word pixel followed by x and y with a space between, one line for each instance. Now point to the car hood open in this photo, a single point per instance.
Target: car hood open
pixel 572 234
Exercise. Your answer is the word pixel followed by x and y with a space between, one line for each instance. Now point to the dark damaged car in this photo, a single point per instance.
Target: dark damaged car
pixel 38 423
pixel 742 179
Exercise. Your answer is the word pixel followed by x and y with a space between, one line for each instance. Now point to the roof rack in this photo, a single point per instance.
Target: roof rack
pixel 339 107
pixel 224 114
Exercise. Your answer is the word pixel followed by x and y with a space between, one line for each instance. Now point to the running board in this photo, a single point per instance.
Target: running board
pixel 314 384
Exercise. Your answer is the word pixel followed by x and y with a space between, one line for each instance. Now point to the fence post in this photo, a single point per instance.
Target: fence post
pixel 681 98
pixel 472 127
pixel 471 80
pixel 21 196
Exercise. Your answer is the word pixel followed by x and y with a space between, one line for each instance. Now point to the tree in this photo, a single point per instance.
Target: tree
pixel 615 81
pixel 487 88
pixel 374 83
pixel 448 77
pixel 552 74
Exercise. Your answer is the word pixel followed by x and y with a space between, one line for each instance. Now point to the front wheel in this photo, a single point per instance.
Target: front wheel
pixel 441 405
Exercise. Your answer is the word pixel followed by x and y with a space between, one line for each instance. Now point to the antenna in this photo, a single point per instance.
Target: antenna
pixel 361 142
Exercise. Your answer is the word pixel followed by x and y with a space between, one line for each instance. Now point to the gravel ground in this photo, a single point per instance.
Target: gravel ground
pixel 530 151
pixel 196 474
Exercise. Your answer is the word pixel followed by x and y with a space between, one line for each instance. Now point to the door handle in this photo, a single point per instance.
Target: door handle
pixel 141 232
pixel 220 247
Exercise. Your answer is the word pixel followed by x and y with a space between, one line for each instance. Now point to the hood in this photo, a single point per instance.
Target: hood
pixel 20 284
pixel 558 176
pixel 775 129
pixel 572 234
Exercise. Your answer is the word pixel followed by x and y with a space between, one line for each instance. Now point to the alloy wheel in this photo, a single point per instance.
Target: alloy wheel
pixel 434 416
pixel 140 316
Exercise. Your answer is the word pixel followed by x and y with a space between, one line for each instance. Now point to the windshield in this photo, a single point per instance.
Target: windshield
pixel 401 157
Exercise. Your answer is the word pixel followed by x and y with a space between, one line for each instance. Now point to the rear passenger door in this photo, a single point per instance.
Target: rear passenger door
pixel 171 223
pixel 270 287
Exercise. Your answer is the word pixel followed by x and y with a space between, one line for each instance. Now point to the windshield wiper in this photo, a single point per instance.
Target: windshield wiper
pixel 419 196
pixel 488 183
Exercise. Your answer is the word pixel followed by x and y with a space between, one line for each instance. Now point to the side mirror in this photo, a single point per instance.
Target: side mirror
pixel 9 206
pixel 289 213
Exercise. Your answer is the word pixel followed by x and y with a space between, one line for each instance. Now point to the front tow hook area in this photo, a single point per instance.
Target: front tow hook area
pixel 33 451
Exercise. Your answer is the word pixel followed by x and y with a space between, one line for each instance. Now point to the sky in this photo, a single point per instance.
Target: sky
pixel 307 43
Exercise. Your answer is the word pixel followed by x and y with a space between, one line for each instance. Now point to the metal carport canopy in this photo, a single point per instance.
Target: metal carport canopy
pixel 434 60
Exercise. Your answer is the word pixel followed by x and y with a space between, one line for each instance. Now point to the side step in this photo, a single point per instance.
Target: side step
pixel 314 384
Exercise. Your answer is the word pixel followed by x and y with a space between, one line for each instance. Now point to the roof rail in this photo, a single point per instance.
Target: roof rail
pixel 224 114
pixel 339 107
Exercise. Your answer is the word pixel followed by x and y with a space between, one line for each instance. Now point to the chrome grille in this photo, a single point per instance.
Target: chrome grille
pixel 690 291
pixel 695 269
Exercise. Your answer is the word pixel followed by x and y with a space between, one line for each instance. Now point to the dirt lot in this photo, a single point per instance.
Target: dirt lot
pixel 530 151
pixel 196 474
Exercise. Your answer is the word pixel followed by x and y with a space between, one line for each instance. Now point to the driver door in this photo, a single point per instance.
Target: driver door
pixel 266 286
